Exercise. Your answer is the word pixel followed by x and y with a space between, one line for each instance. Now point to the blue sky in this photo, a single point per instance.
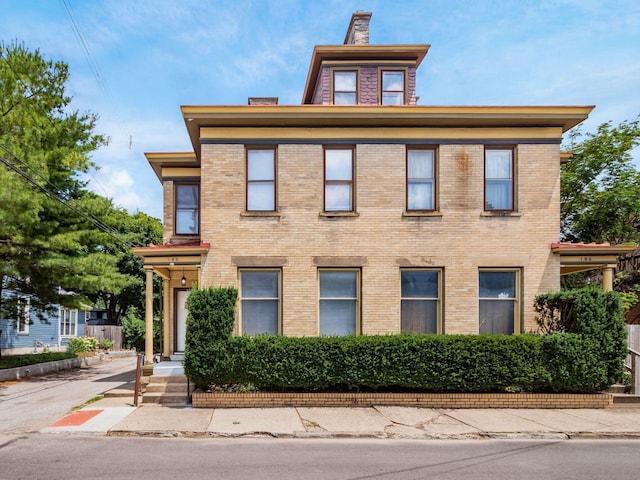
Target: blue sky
pixel 139 60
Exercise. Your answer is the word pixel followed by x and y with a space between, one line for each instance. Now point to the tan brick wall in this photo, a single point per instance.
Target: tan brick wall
pixel 460 241
pixel 425 400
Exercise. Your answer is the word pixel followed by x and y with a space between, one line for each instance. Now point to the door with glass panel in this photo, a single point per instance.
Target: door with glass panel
pixel 180 319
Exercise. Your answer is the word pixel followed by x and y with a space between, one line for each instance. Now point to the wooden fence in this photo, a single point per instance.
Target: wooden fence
pixel 105 332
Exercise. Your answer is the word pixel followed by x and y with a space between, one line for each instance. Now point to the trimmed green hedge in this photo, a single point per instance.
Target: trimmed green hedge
pixel 14 361
pixel 560 362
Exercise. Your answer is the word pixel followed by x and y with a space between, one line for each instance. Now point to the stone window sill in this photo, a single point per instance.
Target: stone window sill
pixel 260 214
pixel 422 214
pixel 501 214
pixel 338 214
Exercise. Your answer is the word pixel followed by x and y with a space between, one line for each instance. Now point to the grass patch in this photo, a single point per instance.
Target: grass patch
pixel 13 361
pixel 95 399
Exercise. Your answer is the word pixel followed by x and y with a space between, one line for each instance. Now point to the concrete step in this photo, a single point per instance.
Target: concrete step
pixel 626 400
pixel 617 388
pixel 166 398
pixel 167 379
pixel 172 387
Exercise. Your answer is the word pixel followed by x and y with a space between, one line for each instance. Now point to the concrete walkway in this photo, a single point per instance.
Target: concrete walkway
pixel 117 416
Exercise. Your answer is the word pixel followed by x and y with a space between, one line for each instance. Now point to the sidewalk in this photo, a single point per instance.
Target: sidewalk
pixel 118 416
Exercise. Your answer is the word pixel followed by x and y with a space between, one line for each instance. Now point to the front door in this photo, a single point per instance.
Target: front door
pixel 181 319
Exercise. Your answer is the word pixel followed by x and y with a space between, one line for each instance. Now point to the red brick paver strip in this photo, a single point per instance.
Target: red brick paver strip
pixel 76 418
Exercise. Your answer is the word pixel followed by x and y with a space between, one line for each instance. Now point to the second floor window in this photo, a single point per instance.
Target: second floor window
pixel 345 89
pixel 261 180
pixel 187 201
pixel 421 180
pixel 338 180
pixel 392 88
pixel 498 179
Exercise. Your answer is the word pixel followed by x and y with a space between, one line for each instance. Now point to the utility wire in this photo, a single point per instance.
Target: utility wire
pixel 57 195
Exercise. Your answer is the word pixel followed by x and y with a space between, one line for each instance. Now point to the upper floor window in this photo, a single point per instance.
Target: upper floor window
pixel 421 180
pixel 22 315
pixel 260 301
pixel 499 294
pixel 345 87
pixel 420 301
pixel 338 180
pixel 393 88
pixel 187 202
pixel 261 180
pixel 68 322
pixel 498 179
pixel 339 302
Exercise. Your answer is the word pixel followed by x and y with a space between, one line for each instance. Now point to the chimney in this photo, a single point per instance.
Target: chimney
pixel 358 31
pixel 263 100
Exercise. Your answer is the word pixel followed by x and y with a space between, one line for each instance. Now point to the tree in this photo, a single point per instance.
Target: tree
pixel 600 197
pixel 600 186
pixel 117 294
pixel 43 142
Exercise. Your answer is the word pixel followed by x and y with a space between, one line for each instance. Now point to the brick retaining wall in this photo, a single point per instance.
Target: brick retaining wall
pixel 426 400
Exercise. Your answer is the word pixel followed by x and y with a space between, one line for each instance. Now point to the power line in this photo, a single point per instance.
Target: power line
pixel 60 197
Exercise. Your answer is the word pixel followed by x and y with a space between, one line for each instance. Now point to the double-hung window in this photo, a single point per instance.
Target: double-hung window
pixel 499 179
pixel 22 315
pixel 499 291
pixel 339 302
pixel 261 180
pixel 260 301
pixel 187 201
pixel 393 88
pixel 345 87
pixel 421 180
pixel 420 301
pixel 68 322
pixel 338 180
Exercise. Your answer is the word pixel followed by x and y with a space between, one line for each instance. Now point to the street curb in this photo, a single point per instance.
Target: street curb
pixel 37 369
pixel 376 436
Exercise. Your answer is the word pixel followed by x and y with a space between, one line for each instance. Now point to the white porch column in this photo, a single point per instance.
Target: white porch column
pixel 166 351
pixel 148 317
pixel 607 278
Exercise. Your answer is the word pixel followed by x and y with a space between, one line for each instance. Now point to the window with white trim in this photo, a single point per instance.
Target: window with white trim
pixel 499 293
pixel 23 305
pixel 420 310
pixel 68 322
pixel 260 298
pixel 339 302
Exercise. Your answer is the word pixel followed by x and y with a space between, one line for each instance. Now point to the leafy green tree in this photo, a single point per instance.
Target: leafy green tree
pixel 600 198
pixel 118 293
pixel 600 186
pixel 42 243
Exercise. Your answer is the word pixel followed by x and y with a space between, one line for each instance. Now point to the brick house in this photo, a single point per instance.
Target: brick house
pixel 361 212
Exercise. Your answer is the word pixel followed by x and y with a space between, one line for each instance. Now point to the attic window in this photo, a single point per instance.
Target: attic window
pixel 345 88
pixel 393 88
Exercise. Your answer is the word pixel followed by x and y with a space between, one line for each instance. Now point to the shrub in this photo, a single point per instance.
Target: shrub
pixel 594 314
pixel 82 344
pixel 210 320
pixel 106 344
pixel 587 360
pixel 133 332
pixel 13 361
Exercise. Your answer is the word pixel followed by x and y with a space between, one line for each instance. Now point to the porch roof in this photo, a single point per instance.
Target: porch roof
pixel 581 257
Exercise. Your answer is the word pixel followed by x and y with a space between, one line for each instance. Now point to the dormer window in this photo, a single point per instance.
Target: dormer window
pixel 345 87
pixel 393 88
